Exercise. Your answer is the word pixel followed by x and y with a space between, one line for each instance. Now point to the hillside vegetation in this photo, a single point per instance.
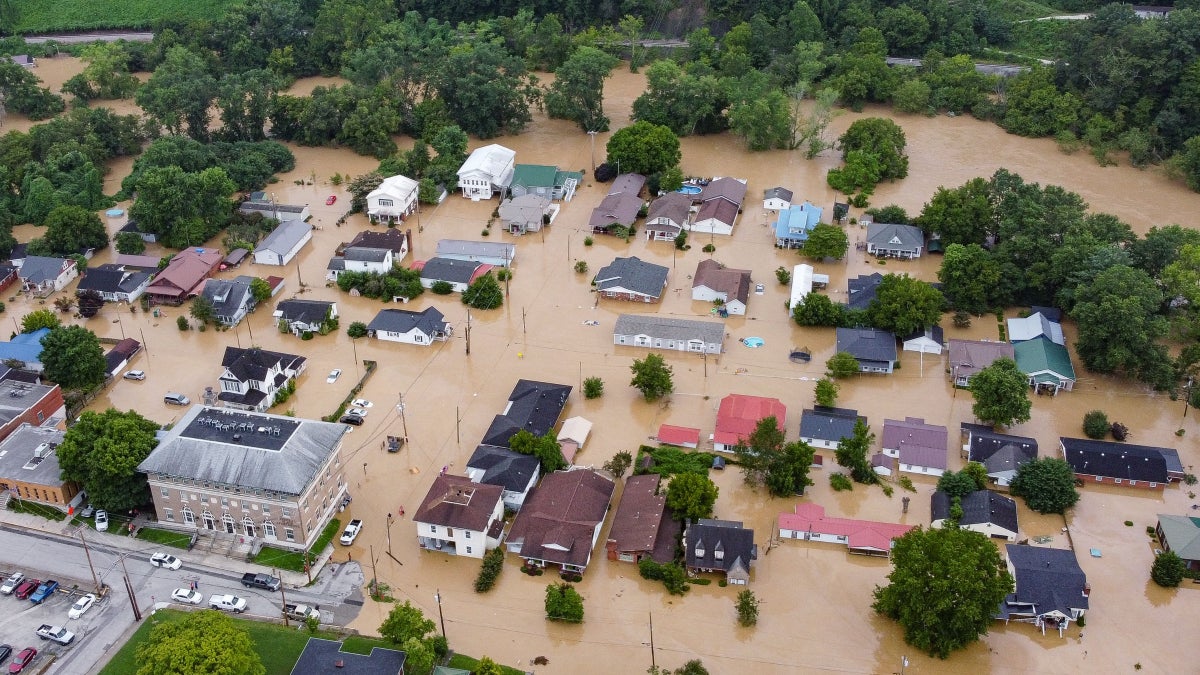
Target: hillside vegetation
pixel 48 16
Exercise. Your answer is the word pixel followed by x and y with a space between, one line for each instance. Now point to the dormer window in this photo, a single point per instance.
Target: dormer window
pixel 699 549
pixel 719 551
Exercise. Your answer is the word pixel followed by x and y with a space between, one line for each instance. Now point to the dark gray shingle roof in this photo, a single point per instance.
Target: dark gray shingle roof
pixel 979 507
pixel 1116 460
pixel 828 424
pixel 633 274
pixel 867 344
pixel 1049 578
pixel 509 469
pixel 428 320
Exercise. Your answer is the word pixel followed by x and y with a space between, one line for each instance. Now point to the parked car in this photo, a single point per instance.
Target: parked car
pixel 81 606
pixel 351 532
pixel 21 660
pixel 334 375
pixel 88 511
pixel 187 596
pixel 330 200
pixel 166 560
pixel 10 584
pixel 57 633
pixel 27 588
pixel 229 603
pixel 5 652
pixel 361 403
pixel 759 289
pixel 175 398
pixel 44 591
pixel 263 581
pixel 135 375
pixel 356 420
pixel 101 520
pixel 358 412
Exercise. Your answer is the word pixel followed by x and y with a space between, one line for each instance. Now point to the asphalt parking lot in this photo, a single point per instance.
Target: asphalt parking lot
pixel 19 619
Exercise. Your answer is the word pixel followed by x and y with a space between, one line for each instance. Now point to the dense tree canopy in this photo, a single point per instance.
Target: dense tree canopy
pixel 1001 394
pixel 72 357
pixel 970 278
pixel 1130 344
pixel 652 376
pixel 577 93
pixel 1047 484
pixel 644 148
pixel 690 496
pixel 183 209
pixel 904 304
pixel 70 230
pixel 102 451
pixel 203 642
pixel 405 622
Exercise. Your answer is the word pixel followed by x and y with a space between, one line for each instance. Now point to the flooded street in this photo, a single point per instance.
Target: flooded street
pixel 816 598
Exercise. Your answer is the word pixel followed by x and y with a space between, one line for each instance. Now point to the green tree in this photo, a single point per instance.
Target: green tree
pixel 593 387
pixel 961 215
pixel 862 73
pixel 826 241
pixel 1001 394
pixel 852 453
pixel 484 293
pixel 23 95
pixel 1181 278
pixel 652 376
pixel 686 104
pixel 643 148
pixel 842 365
pixel 818 310
pixel 759 449
pixel 690 496
pixel 978 473
pixel 1095 424
pixel 180 93
pixel 486 666
pixel 957 484
pixel 72 357
pixel 563 603
pixel 39 318
pixel 619 464
pixel 405 622
pixel 913 97
pixel 1129 345
pixel 944 588
pixel 418 656
pixel 203 310
pixel 106 74
pixel 545 448
pixel 760 112
pixel 69 230
pixel 970 278
pixel 904 304
pixel 787 473
pixel 826 392
pixel 202 642
pixel 184 209
pixel 861 173
pixel 882 138
pixel 577 93
pixel 245 102
pixel 1047 484
pixel 356 329
pixel 747 608
pixel 487 92
pixel 1168 569
pixel 260 290
pixel 130 243
pixel 101 452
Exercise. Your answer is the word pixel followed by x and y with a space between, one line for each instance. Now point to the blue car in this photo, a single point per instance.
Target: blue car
pixel 44 591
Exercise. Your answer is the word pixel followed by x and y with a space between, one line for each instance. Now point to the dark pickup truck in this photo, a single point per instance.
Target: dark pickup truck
pixel 263 581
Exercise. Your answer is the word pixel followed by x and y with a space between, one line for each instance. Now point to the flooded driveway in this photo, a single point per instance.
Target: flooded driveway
pixel 816 599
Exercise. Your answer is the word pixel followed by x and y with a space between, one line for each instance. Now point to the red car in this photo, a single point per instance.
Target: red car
pixel 331 200
pixel 21 660
pixel 27 588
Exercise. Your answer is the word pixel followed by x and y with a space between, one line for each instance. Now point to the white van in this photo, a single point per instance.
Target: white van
pixel 173 398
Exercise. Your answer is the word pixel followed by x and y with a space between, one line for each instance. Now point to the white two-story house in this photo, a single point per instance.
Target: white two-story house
pixel 460 517
pixel 252 377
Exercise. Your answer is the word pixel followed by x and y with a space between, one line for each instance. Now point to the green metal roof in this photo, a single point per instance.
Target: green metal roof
pixel 534 175
pixel 1040 356
pixel 560 177
pixel 1182 534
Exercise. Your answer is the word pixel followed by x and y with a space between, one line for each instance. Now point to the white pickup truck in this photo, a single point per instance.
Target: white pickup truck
pixel 301 612
pixel 229 603
pixel 57 633
pixel 351 532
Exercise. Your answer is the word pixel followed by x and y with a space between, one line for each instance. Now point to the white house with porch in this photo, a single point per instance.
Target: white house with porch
pixel 487 171
pixel 394 200
pixel 460 517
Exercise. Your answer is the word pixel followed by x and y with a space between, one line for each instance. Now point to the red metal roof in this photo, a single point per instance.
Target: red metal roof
pixel 859 533
pixel 672 435
pixel 739 414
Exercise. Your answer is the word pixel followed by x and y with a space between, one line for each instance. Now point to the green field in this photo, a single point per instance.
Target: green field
pixel 46 16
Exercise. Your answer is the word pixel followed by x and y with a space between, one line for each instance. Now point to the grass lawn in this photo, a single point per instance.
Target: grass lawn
pixel 468 663
pixel 47 512
pixel 164 537
pixel 293 561
pixel 36 16
pixel 670 461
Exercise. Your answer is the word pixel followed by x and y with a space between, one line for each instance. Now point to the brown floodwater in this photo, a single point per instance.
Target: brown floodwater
pixel 816 612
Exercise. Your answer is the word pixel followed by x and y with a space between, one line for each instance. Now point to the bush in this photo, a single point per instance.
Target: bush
pixel 674 577
pixel 783 275
pixel 563 603
pixel 906 483
pixel 1189 478
pixel 442 287
pixel 493 564
pixel 747 608
pixel 588 241
pixel 504 274
pixel 840 482
pixel 709 248
pixel 356 329
pixel 1168 569
pixel 581 267
pixel 593 387
pixel 182 322
pixel 1095 424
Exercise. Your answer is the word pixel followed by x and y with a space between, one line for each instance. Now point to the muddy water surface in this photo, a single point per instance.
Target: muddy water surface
pixel 815 614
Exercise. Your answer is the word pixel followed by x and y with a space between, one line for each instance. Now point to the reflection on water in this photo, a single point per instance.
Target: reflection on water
pixel 815 614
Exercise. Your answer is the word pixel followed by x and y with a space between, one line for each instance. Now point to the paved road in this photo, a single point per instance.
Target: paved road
pixel 99 36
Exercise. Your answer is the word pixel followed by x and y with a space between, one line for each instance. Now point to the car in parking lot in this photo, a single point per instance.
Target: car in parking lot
pixel 135 375
pixel 229 603
pixel 102 521
pixel 356 420
pixel 361 403
pixel 187 596
pixel 360 412
pixel 175 398
pixel 44 591
pixel 334 375
pixel 166 560
pixel 20 661
pixel 5 652
pixel 81 606
pixel 27 588
pixel 330 200
pixel 10 584
pixel 88 511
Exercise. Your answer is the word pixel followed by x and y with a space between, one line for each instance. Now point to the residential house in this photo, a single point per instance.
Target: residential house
pixel 306 316
pixel 1035 326
pixel 42 275
pixel 926 340
pixel 269 209
pixel 283 243
pixel 527 213
pixel 252 377
pixel 183 276
pixel 1051 589
pixel 326 657
pixel 628 183
pixel 393 201
pixel 1139 466
pixel 561 520
pixel 514 473
pixel 544 181
pixel 142 263
pixel 119 356
pixel 642 528
pixel 988 513
pixel 371 252
pixel 825 427
pixel 874 349
pixel 1178 534
pixel 803 283
pixel 893 240
pixel 739 414
pixel 29 403
pixel 414 328
pixel 668 216
pixel 17 256
pixel 532 406
pixel 8 276
pixel 919 447
pixel 23 60
pixel 615 210
pixel 132 226
pixel 460 517
pixel 865 537
pixel 498 254
pixel 458 273
pixel 720 203
pixel 860 291
pixel 683 437
pixel 795 223
pixel 25 348
pixel 777 199
pixel 232 299
pixel 725 546
pixel 29 468
pixel 572 436
pixel 714 282
pixel 488 170
pixel 655 331
pixel 631 279
pixel 968 357
pixel 1047 364
pixel 234 258
pixel 1001 454
pixel 114 283
pixel 243 475
pixel 1150 11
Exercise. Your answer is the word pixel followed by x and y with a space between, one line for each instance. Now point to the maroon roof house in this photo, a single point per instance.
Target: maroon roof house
pixel 561 520
pixel 641 526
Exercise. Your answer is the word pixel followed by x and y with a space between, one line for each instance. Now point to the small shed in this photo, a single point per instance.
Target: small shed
pixel 573 435
pixel 684 437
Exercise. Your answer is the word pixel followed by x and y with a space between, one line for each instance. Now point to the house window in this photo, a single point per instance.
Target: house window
pixel 699 550
pixel 1099 479
pixel 225 502
pixel 188 516
pixel 1153 484
pixel 169 513
pixel 266 510
pixel 41 417
pixel 287 513
pixel 466 534
pixel 468 550
pixel 289 534
pixel 1117 481
pixel 269 529
pixel 385 202
pixel 433 529
pixel 166 493
pixel 1133 482
pixel 418 338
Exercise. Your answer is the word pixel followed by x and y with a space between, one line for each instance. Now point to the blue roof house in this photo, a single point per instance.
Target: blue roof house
pixel 794 224
pixel 27 348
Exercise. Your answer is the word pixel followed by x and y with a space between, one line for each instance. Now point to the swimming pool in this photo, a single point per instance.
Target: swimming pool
pixel 691 189
pixel 753 342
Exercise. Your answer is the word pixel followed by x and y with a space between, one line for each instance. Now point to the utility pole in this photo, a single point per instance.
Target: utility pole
pixel 282 596
pixel 441 617
pixel 1187 396
pixel 653 665
pixel 457 425
pixel 522 321
pixel 468 332
pixel 389 533
pixel 88 553
pixel 403 417
pixel 137 613
pixel 374 576
pixel 593 135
